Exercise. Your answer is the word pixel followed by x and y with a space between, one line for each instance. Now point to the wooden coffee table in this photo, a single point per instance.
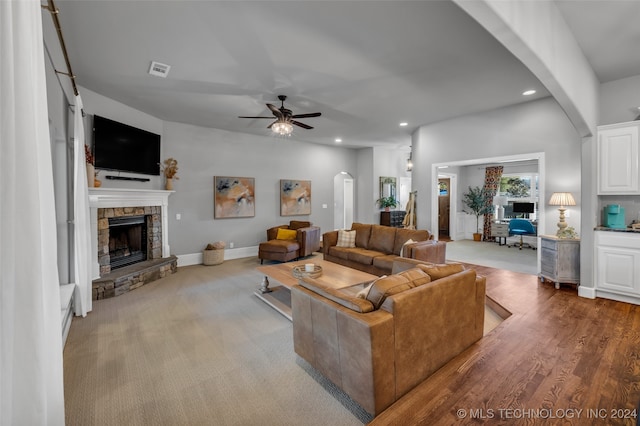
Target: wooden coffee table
pixel 279 296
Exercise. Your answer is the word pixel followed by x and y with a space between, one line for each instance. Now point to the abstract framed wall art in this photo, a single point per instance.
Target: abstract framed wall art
pixel 233 197
pixel 295 197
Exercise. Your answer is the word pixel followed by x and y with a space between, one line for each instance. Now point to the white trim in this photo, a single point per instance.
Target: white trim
pixel 588 292
pixel 66 308
pixel 238 253
pixel 540 156
pixel 613 296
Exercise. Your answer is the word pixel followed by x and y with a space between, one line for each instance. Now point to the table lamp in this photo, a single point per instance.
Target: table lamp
pixel 562 199
pixel 500 201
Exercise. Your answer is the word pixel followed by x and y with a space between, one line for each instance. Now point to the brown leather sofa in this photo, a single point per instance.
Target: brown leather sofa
pixel 378 246
pixel 306 241
pixel 379 348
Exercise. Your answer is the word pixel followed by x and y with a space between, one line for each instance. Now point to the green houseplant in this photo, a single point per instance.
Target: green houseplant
pixel 476 199
pixel 387 202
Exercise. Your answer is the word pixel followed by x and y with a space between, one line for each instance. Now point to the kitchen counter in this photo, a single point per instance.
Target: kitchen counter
pixel 604 228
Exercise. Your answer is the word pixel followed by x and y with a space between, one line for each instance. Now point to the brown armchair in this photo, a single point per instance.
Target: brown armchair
pixel 306 241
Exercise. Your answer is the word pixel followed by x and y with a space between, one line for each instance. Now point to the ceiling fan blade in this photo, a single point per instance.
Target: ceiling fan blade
pixel 270 118
pixel 312 114
pixel 275 111
pixel 304 126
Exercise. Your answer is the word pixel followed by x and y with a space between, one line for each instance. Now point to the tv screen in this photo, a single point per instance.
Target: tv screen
pixel 120 147
pixel 523 207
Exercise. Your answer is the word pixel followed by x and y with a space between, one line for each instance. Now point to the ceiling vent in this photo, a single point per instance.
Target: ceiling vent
pixel 158 69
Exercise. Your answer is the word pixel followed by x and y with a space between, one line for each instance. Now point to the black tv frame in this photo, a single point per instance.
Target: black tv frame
pixel 120 147
pixel 524 207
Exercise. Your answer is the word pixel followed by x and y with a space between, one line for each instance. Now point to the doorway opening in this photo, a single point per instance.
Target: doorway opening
pixel 343 200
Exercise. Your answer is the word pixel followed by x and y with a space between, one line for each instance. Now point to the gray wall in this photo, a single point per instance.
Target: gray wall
pixel 203 153
pixel 619 100
pixel 537 126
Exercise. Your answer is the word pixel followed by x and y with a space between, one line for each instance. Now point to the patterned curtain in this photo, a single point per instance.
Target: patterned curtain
pixel 492 177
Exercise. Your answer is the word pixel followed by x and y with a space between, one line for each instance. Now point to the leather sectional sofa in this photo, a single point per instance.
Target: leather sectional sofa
pixel 409 325
pixel 378 246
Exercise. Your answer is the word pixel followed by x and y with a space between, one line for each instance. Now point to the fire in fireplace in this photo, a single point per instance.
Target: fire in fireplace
pixel 127 240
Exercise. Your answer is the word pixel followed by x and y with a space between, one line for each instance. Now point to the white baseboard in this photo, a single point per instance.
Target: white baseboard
pixel 238 253
pixel 66 308
pixel 587 292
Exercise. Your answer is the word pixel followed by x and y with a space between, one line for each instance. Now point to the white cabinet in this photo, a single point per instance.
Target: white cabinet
pixel 618 158
pixel 617 274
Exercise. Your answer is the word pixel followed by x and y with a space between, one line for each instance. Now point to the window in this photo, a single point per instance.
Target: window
pixel 519 188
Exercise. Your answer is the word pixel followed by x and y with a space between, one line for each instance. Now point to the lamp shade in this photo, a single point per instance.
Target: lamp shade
pixel 500 200
pixel 562 199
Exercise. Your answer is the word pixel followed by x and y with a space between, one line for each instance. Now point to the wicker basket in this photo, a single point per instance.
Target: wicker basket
pixel 212 257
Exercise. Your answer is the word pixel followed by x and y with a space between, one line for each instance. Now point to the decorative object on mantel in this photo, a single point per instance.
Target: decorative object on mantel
pixel 562 199
pixel 91 171
pixel 213 254
pixel 170 170
pixel 97 183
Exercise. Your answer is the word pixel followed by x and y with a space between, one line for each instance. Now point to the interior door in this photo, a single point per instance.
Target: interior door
pixel 444 205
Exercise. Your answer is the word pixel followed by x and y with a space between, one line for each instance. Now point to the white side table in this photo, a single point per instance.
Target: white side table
pixel 560 260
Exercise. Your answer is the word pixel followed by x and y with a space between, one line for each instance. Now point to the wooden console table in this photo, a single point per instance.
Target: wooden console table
pixel 559 260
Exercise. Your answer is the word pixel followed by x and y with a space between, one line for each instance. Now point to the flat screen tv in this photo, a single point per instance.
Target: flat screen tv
pixel 120 147
pixel 523 207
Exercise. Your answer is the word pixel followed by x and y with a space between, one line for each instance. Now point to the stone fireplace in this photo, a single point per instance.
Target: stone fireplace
pixel 129 228
pixel 128 235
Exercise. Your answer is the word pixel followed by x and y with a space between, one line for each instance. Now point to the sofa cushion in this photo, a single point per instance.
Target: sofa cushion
pixel 279 246
pixel 363 232
pixel 363 256
pixel 385 262
pixel 351 302
pixel 286 234
pixel 394 284
pixel 382 238
pixel 346 238
pixel 340 252
pixel 402 235
pixel 437 271
pixel 297 224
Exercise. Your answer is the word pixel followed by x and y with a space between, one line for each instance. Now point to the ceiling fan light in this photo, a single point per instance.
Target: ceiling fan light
pixel 283 128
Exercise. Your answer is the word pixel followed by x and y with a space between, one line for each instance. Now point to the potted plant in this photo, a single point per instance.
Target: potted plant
pixel 477 201
pixel 387 202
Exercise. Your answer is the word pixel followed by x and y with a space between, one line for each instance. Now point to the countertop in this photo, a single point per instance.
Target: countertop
pixel 603 228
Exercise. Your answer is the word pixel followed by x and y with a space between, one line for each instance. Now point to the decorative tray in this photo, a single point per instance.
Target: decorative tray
pixel 299 271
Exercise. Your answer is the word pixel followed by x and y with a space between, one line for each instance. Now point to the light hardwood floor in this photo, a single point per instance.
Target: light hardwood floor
pixel 556 355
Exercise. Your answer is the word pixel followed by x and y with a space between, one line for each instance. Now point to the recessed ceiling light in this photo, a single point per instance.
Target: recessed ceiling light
pixel 528 92
pixel 404 124
pixel 338 140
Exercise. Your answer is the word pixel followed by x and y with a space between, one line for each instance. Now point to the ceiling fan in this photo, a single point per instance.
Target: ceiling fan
pixel 285 118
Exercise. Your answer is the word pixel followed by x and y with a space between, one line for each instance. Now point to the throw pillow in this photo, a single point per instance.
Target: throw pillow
pixel 286 234
pixel 387 286
pixel 409 241
pixel 346 238
pixel 362 294
pixel 437 271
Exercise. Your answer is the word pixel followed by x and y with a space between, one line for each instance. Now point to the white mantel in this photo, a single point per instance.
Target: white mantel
pixel 100 198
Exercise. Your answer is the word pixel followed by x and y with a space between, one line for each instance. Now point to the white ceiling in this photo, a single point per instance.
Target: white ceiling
pixel 366 66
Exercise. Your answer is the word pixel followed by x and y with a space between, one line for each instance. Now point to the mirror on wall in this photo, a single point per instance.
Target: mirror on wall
pixel 388 187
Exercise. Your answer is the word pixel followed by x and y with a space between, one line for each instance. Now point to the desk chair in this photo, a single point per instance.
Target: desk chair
pixel 521 227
